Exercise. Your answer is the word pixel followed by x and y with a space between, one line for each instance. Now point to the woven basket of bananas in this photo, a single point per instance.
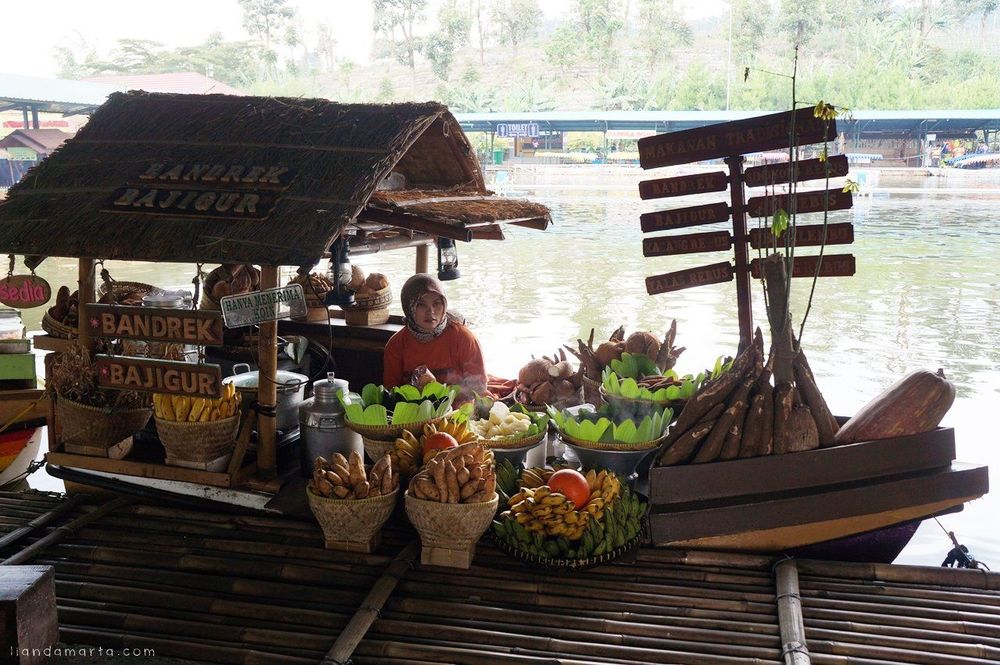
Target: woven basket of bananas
pixel 411 451
pixel 197 429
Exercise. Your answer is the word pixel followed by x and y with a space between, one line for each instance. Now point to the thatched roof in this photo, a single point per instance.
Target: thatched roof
pixel 325 161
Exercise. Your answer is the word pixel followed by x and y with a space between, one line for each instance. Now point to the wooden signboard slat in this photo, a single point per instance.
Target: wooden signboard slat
pixel 182 326
pixel 810 235
pixel 811 201
pixel 680 218
pixel 158 376
pixel 767 132
pixel 698 183
pixel 806 169
pixel 834 265
pixel 685 279
pixel 714 241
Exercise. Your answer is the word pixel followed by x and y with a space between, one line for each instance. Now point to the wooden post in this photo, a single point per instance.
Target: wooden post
pixel 742 269
pixel 267 388
pixel 793 633
pixel 86 295
pixel 423 252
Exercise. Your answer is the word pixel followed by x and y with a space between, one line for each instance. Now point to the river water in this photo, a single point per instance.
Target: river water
pixel 924 297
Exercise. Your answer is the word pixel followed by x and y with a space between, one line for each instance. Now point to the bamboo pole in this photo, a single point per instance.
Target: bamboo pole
pixel 898 591
pixel 911 611
pixel 891 654
pixel 85 295
pixel 793 633
pixel 947 577
pixel 812 614
pixel 900 603
pixel 422 264
pixel 924 650
pixel 874 631
pixel 62 532
pixel 42 520
pixel 267 387
pixel 376 650
pixel 371 607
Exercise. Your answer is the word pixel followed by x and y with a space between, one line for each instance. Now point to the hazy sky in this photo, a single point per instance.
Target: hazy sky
pixel 186 22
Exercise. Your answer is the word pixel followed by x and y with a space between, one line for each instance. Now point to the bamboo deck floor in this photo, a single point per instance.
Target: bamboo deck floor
pixel 261 590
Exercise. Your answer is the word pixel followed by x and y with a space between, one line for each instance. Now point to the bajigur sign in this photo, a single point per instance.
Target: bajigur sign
pixel 679 218
pixel 158 376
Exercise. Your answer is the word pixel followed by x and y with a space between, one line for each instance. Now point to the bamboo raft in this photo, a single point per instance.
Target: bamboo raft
pixel 254 589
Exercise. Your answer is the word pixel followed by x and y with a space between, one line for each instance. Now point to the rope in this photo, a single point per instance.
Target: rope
pixel 794 647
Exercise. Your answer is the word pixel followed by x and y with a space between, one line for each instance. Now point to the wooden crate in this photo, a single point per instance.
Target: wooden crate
pixel 28 612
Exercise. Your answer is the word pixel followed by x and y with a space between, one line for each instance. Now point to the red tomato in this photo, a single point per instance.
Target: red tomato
pixel 439 441
pixel 572 484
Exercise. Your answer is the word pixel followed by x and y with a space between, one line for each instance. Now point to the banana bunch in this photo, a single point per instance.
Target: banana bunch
pixel 551 513
pixel 408 451
pixel 181 408
pixel 604 485
pixel 620 523
pixel 460 431
pixel 535 476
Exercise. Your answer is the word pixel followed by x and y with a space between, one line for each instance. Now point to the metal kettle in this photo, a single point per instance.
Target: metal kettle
pixel 321 425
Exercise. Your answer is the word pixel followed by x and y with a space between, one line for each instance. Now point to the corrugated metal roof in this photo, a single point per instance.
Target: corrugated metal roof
pixel 60 95
pixel 179 82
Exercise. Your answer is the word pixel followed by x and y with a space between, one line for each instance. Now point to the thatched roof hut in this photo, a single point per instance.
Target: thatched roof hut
pixel 215 178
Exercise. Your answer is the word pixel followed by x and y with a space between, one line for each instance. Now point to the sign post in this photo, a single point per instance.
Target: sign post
pixel 730 142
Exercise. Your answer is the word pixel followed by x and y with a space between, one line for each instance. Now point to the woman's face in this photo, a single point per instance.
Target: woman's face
pixel 429 312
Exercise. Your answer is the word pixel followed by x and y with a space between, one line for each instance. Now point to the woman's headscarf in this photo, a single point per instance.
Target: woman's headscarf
pixel 415 288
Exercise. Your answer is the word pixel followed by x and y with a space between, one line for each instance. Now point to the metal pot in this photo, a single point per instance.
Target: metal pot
pixel 290 390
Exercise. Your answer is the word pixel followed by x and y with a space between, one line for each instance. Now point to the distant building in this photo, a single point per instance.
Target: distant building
pixel 23 148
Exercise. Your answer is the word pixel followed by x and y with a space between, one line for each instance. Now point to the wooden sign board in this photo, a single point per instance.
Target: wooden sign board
pixel 685 279
pixel 679 218
pixel 834 265
pixel 185 326
pixel 258 306
pixel 158 376
pixel 807 169
pixel 24 291
pixel 699 183
pixel 813 201
pixel 715 241
pixel 807 236
pixel 766 132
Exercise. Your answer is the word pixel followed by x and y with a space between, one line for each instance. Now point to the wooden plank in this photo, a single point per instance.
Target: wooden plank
pixel 805 169
pixel 13 402
pixel 807 235
pixel 749 514
pixel 714 241
pixel 490 232
pixel 200 327
pixel 678 218
pixel 141 469
pixel 685 279
pixel 687 483
pixel 267 390
pixel 811 201
pixel 766 132
pixel 50 343
pixel 158 376
pixel 28 609
pixel 698 183
pixel 834 265
pixel 416 223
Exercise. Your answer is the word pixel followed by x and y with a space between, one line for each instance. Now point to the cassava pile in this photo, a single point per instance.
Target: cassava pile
pixel 460 475
pixel 549 381
pixel 739 414
pixel 341 478
pixel 594 360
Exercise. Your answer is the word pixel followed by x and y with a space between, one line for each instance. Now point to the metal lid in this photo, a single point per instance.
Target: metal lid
pixel 168 299
pixel 286 380
pixel 327 388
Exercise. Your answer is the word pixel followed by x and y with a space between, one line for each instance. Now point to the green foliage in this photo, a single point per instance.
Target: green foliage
pixel 516 21
pixel 265 18
pixel 699 89
pixel 604 427
pixel 661 28
pixel 453 31
pixel 402 16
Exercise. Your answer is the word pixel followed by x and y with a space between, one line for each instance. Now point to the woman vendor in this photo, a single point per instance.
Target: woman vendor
pixel 434 339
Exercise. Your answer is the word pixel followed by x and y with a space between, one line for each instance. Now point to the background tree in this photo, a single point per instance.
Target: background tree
pixel 403 16
pixel 801 20
pixel 661 27
pixel 265 18
pixel 480 11
pixel 599 22
pixel 751 22
pixel 326 45
pixel 562 49
pixel 516 21
pixel 453 32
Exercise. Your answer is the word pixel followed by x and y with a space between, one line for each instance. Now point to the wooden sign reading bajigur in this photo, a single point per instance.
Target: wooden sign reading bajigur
pixel 679 218
pixel 715 241
pixel 24 291
pixel 685 279
pixel 765 206
pixel 834 265
pixel 727 139
pixel 699 183
pixel 199 327
pixel 158 376
pixel 807 169
pixel 810 235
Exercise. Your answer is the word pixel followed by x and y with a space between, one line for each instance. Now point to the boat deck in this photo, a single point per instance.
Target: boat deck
pixel 256 589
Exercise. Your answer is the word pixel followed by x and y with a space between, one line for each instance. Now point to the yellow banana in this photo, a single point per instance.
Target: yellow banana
pixel 554 500
pixel 206 414
pixel 592 480
pixel 168 407
pixel 197 406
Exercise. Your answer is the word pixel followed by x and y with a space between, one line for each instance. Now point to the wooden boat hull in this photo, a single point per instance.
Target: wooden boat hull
pixel 17 450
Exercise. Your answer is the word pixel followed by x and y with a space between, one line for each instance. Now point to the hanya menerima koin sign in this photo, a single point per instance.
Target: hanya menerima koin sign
pixel 730 141
pixel 255 307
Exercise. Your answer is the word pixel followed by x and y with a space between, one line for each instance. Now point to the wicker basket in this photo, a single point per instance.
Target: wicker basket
pixel 376 300
pixel 674 404
pixel 199 441
pixel 83 425
pixel 376 449
pixel 451 526
pixel 58 329
pixel 118 288
pixel 351 524
pixel 392 432
pixel 508 442
pixel 617 447
pixel 566 565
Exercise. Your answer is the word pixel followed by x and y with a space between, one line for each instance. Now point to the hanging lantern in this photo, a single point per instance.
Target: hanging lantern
pixel 447 260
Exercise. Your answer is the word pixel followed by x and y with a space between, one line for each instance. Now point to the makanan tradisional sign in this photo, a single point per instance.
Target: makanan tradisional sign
pixel 215 191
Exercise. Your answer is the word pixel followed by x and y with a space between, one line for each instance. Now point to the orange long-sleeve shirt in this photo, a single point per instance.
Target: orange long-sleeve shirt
pixel 454 357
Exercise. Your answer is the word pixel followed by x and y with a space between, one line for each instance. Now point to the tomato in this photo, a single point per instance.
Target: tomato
pixel 572 484
pixel 439 441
